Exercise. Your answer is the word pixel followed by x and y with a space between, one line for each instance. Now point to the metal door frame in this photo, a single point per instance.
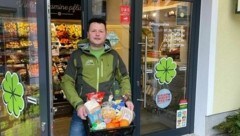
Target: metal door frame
pixel 45 82
pixel 135 65
pixel 43 24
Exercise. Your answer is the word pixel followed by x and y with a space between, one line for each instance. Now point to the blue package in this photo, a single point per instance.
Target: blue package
pixel 95 117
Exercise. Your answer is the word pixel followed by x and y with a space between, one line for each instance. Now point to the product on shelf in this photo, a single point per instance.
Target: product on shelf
pixel 74 31
pixel 23 29
pixel 25 43
pixel 12 44
pixel 10 28
pixel 33 29
pixel 33 70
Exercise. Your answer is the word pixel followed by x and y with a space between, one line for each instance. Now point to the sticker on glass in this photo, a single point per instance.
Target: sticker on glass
pixel 181 120
pixel 113 38
pixel 165 70
pixel 12 95
pixel 163 98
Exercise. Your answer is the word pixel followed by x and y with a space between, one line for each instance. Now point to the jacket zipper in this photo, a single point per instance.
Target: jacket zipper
pixel 101 68
pixel 97 86
pixel 80 93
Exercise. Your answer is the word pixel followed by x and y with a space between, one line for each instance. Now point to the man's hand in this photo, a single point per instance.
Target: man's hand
pixel 130 105
pixel 82 112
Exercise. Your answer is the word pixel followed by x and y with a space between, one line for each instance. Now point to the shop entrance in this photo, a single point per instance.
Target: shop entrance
pixel 165 47
pixel 153 37
pixel 157 48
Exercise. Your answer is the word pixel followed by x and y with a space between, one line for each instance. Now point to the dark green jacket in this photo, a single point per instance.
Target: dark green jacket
pixel 85 73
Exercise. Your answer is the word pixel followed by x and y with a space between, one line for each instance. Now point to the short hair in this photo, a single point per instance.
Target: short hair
pixel 96 20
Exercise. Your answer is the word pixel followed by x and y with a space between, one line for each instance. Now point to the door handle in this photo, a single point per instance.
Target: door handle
pixel 33 100
pixel 140 100
pixel 141 43
pixel 54 110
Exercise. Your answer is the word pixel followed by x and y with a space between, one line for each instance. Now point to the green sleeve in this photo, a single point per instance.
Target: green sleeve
pixel 126 87
pixel 68 86
pixel 124 80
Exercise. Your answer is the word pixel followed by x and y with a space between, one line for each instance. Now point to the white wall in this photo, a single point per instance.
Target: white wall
pixel 206 64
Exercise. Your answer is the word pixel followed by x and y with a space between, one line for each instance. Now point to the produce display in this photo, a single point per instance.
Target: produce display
pixel 19 54
pixel 67 34
pixel 64 38
pixel 20 48
pixel 10 27
pixel 23 29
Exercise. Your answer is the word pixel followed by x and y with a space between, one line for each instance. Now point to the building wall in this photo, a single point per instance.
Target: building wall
pixel 218 86
pixel 227 75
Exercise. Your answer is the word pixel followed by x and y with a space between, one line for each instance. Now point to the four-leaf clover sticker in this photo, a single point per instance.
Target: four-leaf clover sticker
pixel 13 94
pixel 165 70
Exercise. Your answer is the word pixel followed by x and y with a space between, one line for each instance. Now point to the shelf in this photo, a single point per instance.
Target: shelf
pixel 150 59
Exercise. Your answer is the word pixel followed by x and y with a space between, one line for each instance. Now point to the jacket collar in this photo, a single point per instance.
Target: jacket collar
pixel 85 46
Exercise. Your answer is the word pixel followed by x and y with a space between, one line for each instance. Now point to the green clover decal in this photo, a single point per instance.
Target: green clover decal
pixel 165 70
pixel 13 94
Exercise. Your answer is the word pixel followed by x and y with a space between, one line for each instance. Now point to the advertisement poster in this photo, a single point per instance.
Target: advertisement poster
pixel 125 14
pixel 181 120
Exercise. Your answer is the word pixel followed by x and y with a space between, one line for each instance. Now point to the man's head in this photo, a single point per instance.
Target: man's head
pixel 97 32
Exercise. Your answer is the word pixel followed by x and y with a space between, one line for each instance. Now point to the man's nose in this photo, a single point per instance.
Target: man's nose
pixel 97 33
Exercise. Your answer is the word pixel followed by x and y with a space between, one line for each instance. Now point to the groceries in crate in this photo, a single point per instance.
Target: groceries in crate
pixel 107 115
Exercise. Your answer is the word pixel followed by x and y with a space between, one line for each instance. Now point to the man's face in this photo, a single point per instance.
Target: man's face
pixel 97 34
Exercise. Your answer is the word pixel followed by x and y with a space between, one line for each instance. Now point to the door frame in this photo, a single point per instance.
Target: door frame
pixel 45 84
pixel 45 74
pixel 135 65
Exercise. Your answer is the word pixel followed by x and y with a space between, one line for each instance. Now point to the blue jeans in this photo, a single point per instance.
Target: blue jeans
pixel 77 127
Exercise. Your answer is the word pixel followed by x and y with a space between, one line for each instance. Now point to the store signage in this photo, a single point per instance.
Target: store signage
pixel 12 94
pixel 113 38
pixel 163 98
pixel 165 70
pixel 125 14
pixel 66 9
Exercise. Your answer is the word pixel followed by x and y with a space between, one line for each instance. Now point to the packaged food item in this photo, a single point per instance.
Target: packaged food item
pixel 98 96
pixel 108 113
pixel 127 114
pixel 95 117
pixel 92 106
pixel 94 113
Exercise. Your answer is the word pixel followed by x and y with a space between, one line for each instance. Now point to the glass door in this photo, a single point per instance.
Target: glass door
pixel 165 46
pixel 19 69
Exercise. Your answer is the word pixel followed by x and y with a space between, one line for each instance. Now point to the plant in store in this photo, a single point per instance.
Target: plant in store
pixel 231 125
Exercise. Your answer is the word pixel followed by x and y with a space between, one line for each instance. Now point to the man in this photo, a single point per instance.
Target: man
pixel 91 68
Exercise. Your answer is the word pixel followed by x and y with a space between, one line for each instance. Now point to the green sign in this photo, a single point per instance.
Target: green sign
pixel 13 92
pixel 165 70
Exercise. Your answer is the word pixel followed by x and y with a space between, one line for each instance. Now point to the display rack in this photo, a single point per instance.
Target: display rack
pixel 65 35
